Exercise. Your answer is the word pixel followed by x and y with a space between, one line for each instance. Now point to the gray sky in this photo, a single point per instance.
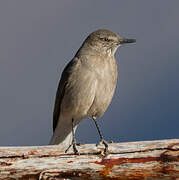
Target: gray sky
pixel 39 37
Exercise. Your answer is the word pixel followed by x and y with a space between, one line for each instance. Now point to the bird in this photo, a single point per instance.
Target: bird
pixel 86 87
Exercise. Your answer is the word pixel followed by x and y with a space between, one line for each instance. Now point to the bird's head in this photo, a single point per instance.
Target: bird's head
pixel 105 41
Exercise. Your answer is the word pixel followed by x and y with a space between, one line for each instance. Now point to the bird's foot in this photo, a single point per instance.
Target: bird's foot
pixel 75 150
pixel 105 143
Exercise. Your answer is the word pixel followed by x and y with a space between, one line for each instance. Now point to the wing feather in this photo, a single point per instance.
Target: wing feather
pixel 61 91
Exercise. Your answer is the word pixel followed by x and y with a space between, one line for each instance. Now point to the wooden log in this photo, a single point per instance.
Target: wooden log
pixel 132 160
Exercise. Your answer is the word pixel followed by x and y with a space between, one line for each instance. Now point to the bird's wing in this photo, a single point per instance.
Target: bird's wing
pixel 61 90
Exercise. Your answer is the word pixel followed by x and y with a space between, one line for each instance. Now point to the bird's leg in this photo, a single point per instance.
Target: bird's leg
pixel 75 150
pixel 100 135
pixel 74 140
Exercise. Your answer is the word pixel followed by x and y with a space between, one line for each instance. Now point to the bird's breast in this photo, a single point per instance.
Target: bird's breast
pixel 106 74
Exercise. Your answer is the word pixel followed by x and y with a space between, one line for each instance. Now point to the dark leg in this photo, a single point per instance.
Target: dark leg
pixel 75 150
pixel 100 135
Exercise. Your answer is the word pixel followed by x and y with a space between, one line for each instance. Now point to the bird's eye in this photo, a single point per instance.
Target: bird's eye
pixel 106 39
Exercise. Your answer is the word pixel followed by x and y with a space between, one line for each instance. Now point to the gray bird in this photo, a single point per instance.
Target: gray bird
pixel 86 86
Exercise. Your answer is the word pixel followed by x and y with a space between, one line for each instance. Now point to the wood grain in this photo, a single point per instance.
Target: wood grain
pixel 130 160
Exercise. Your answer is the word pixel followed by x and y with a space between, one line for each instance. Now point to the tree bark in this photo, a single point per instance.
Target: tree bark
pixel 132 160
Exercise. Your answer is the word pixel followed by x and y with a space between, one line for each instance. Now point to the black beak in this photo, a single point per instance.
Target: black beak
pixel 124 41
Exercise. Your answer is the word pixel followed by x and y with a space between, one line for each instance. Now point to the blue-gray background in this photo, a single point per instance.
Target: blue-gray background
pixel 39 37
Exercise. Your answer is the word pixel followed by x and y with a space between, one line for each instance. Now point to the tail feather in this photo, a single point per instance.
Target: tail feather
pixel 63 133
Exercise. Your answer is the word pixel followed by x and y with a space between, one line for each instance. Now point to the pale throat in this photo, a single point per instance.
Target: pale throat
pixel 111 51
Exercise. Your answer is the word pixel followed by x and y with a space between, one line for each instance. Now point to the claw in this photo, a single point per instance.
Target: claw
pixel 68 148
pixel 105 143
pixel 75 150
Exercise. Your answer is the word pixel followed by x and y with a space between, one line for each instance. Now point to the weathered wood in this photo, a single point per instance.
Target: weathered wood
pixel 132 160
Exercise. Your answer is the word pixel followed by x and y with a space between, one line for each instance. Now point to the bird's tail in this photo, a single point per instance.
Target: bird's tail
pixel 63 132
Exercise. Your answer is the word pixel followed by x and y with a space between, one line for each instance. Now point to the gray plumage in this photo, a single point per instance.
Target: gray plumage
pixel 87 84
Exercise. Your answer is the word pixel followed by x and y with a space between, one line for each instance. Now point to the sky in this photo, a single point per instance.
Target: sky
pixel 39 37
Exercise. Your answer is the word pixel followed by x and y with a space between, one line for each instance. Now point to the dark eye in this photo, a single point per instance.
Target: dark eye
pixel 106 39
